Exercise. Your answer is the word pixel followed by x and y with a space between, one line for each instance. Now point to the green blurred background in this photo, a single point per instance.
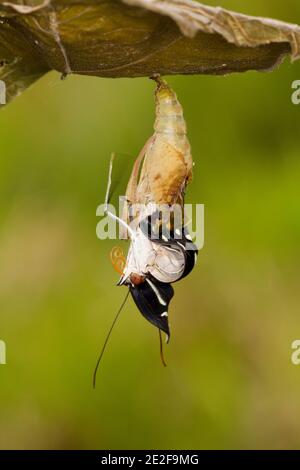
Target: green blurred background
pixel 229 382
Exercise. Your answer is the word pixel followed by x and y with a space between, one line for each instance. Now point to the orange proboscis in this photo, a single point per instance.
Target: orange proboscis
pixel 118 259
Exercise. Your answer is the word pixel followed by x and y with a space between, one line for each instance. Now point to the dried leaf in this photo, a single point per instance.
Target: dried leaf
pixel 132 38
pixel 241 30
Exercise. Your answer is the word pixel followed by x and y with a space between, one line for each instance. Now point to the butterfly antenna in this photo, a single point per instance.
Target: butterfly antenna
pixel 107 338
pixel 109 180
pixel 161 349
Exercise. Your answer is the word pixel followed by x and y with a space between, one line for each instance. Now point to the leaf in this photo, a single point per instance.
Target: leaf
pixel 133 38
pixel 19 64
pixel 238 29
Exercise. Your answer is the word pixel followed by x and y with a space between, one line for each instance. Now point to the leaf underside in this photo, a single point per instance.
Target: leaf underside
pixel 134 38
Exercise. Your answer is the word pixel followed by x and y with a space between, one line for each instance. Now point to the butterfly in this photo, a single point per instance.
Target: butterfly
pixel 161 250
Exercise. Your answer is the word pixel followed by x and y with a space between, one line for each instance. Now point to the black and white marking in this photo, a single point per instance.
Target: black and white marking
pixel 152 298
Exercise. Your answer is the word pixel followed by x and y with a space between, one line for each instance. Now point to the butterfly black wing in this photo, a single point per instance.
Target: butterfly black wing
pixel 152 298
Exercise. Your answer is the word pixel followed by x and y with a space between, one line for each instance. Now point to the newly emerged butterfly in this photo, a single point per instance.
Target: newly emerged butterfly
pixel 161 251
